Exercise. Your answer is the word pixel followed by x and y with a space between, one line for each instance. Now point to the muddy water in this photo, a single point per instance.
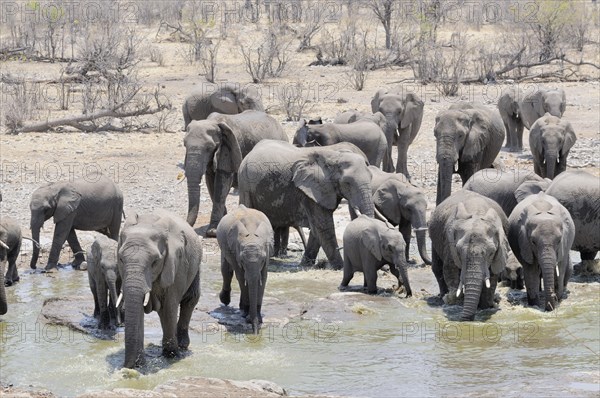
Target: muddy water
pixel 343 343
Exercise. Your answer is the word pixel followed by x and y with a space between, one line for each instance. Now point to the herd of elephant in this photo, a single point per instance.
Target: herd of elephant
pixel 152 262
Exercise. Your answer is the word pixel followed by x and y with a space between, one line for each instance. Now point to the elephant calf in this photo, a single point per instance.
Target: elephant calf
pixel 369 245
pixel 541 234
pixel 104 280
pixel 550 141
pixel 10 246
pixel 245 237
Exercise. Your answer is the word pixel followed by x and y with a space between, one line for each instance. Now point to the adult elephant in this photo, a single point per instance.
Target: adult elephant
pixel 544 100
pixel 289 184
pixel 550 140
pixel 469 135
pixel 469 249
pixel 215 147
pixel 579 192
pixel 228 99
pixel 366 135
pixel 354 116
pixel 159 263
pixel 506 188
pixel 508 106
pixel 403 205
pixel 403 113
pixel 90 203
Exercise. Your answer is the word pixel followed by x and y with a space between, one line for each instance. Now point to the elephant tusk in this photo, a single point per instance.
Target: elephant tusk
pixel 557 272
pixel 4 245
pixel 381 217
pixel 34 242
pixel 460 286
pixel 358 213
pixel 420 229
pixel 487 282
pixel 146 299
pixel 119 299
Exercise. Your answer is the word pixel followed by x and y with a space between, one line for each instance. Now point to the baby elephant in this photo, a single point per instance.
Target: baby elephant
pixel 245 237
pixel 104 278
pixel 369 245
pixel 541 232
pixel 10 245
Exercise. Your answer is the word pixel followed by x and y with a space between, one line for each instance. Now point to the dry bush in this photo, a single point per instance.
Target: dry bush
pixel 295 99
pixel 270 58
pixel 359 60
pixel 208 59
pixel 336 46
pixel 156 55
pixel 22 101
pixel 313 21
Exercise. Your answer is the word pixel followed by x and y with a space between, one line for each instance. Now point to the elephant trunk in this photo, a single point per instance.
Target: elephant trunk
pixel 548 265
pixel 254 281
pixel 363 201
pixel 111 282
pixel 195 167
pixel 134 323
pixel 420 226
pixel 35 235
pixel 390 130
pixel 3 301
pixel 473 281
pixel 550 159
pixel 402 266
pixel 444 185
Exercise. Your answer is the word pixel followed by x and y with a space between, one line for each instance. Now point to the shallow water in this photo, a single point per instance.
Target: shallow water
pixel 349 344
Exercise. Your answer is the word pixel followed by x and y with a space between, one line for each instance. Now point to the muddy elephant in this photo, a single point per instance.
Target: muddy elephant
pixel 506 188
pixel 245 237
pixel 403 113
pixel 403 205
pixel 467 135
pixel 89 203
pixel 289 184
pixel 369 244
pixel 544 100
pixel 508 106
pixel 159 263
pixel 354 115
pixel 579 192
pixel 228 99
pixel 366 135
pixel 104 280
pixel 215 147
pixel 10 247
pixel 469 249
pixel 550 140
pixel 541 234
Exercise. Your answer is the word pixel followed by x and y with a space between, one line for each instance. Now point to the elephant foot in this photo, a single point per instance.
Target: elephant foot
pixel 211 232
pixel 225 297
pixel 8 283
pixel 170 352
pixel 51 266
pixel 307 262
pixel 183 339
pixel 343 288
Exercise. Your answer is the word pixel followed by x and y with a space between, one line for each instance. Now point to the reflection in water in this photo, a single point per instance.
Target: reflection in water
pixel 348 344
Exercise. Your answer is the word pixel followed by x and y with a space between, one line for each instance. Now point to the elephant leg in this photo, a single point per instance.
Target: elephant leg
pixel 101 293
pixel 519 134
pixel 282 236
pixel 369 271
pixel 261 292
pixel 508 132
pixel 588 255
pixel 405 229
pixel 210 180
pixel 531 274
pixel 94 290
pixel 403 143
pixel 486 300
pixel 186 308
pixel 321 221
pixel 388 162
pixel 76 248
pixel 537 169
pixel 312 250
pixel 437 266
pixel 348 271
pixel 466 170
pixel 61 232
pixel 115 225
pixel 168 323
pixel 227 274
pixel 223 181
pixel 244 293
pixel 562 165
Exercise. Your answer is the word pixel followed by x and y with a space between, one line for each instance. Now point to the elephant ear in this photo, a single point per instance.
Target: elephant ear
pixel 387 202
pixel 173 257
pixel 225 101
pixel 311 178
pixel 523 239
pixel 371 241
pixel 66 203
pixel 377 99
pixel 228 155
pixel 531 187
pixel 301 134
pixel 265 229
pixel 569 140
pixel 563 104
pixel 498 263
pixel 413 111
pixel 477 131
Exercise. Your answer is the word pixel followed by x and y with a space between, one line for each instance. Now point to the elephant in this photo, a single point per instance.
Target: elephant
pixel 158 258
pixel 544 100
pixel 506 188
pixel 550 140
pixel 289 184
pixel 469 249
pixel 541 233
pixel 469 135
pixel 579 192
pixel 369 244
pixel 228 99
pixel 403 113
pixel 354 115
pixel 245 237
pixel 512 275
pixel 104 280
pixel 366 135
pixel 508 106
pixel 10 247
pixel 89 203
pixel 403 205
pixel 215 147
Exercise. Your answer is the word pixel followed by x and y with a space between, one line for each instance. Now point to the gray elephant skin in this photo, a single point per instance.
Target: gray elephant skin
pixel 228 99
pixel 215 147
pixel 543 100
pixel 159 258
pixel 550 141
pixel 366 135
pixel 403 113
pixel 245 237
pixel 89 203
pixel 104 280
pixel 354 115
pixel 508 106
pixel 10 245
pixel 369 244
pixel 469 135
pixel 541 234
pixel 403 205
pixel 289 184
pixel 506 188
pixel 579 192
pixel 469 249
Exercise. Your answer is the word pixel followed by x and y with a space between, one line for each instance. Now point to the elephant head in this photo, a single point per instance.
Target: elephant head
pixel 479 248
pixel 248 97
pixel 550 140
pixel 552 101
pixel 103 257
pixel 208 144
pixel 400 112
pixel 149 255
pixel 309 134
pixel 58 200
pixel 395 203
